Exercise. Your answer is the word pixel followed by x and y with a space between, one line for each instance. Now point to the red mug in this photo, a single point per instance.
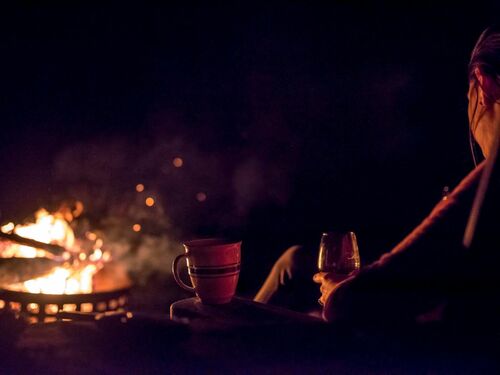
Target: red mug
pixel 213 267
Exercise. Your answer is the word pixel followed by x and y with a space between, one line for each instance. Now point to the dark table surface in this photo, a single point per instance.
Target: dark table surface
pixel 240 337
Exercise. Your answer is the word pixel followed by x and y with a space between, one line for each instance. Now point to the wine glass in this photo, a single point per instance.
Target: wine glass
pixel 339 254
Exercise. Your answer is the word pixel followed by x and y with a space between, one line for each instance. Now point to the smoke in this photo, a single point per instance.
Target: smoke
pixel 197 189
pixel 258 181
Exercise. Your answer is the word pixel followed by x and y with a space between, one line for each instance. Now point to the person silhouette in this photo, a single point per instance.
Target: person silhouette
pixel 430 274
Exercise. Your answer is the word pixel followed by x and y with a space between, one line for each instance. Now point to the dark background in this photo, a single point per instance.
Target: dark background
pixel 299 118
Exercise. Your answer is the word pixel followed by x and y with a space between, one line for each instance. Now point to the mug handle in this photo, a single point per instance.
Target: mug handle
pixel 176 274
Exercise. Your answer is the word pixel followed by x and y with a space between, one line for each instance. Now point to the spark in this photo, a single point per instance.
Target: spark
pixel 91 236
pixel 201 197
pixel 178 162
pixel 150 201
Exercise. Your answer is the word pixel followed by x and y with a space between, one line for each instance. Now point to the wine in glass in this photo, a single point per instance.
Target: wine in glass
pixel 339 255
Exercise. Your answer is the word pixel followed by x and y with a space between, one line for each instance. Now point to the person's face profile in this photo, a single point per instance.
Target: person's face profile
pixel 481 118
pixel 471 98
pixel 472 106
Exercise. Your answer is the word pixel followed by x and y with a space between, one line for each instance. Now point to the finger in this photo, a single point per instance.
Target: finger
pixel 289 273
pixel 319 277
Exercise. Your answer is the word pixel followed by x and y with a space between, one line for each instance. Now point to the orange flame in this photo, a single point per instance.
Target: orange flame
pixel 69 278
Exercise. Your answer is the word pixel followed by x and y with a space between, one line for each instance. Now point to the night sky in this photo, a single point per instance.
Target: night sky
pixel 292 118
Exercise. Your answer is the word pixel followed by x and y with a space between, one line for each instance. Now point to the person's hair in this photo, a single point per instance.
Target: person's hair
pixel 486 57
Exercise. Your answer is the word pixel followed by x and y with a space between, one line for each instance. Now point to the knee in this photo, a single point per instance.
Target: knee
pixel 290 259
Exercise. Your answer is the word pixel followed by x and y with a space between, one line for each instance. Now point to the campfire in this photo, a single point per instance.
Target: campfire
pixel 45 269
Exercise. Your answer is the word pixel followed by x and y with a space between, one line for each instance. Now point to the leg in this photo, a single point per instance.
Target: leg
pixel 289 283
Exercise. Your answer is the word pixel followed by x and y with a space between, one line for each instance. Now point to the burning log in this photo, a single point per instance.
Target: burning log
pixel 51 248
pixel 56 269
pixel 16 270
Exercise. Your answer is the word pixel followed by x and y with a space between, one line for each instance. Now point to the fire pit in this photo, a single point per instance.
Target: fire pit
pixel 42 308
pixel 45 270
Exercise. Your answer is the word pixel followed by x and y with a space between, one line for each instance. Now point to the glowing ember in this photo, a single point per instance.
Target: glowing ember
pixel 70 277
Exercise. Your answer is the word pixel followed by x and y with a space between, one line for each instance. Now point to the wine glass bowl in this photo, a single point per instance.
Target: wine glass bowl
pixel 339 254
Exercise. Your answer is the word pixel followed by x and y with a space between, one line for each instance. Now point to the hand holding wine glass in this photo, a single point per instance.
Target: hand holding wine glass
pixel 338 259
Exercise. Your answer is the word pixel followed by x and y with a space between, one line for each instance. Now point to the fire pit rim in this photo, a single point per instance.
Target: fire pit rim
pixel 27 297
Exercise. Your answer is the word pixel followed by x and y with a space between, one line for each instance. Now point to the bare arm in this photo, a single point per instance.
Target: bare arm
pixel 417 273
